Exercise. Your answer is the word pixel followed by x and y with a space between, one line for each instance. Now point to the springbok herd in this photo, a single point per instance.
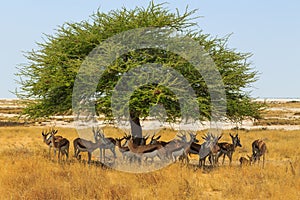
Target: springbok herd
pixel 135 149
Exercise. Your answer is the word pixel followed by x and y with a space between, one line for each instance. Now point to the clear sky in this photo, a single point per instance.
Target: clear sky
pixel 268 29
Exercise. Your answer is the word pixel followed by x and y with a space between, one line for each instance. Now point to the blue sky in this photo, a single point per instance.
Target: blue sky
pixel 268 29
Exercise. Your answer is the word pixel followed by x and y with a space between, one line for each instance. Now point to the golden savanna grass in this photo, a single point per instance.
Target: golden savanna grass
pixel 28 173
pixel 288 104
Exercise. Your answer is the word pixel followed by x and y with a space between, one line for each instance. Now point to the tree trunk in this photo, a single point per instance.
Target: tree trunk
pixel 136 129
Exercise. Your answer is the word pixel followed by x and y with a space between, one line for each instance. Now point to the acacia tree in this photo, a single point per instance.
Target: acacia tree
pixel 49 76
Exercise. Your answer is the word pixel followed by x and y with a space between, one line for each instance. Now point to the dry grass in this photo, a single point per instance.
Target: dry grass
pixel 276 121
pixel 280 113
pixel 28 173
pixel 276 113
pixel 8 110
pixel 289 104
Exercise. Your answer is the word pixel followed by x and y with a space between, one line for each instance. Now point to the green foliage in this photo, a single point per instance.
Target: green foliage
pixel 49 76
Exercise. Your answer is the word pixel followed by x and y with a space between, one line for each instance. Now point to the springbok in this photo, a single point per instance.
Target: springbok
pixel 82 145
pixel 259 149
pixel 47 140
pixel 209 148
pixel 213 155
pixel 186 147
pixel 173 149
pixel 106 143
pixel 194 147
pixel 142 151
pixel 60 144
pixel 177 154
pixel 245 161
pixel 157 141
pixel 124 150
pixel 179 147
pixel 227 149
pixel 110 144
pixel 151 154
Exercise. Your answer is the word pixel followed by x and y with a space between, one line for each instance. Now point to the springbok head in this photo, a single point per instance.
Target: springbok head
pixel 236 140
pixel 45 135
pixel 210 143
pixel 193 137
pixel 154 140
pixel 98 133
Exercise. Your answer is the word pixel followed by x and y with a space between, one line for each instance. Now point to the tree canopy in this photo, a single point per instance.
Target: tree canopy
pixel 49 75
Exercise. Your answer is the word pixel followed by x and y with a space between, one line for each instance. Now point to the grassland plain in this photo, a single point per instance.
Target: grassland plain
pixel 27 172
